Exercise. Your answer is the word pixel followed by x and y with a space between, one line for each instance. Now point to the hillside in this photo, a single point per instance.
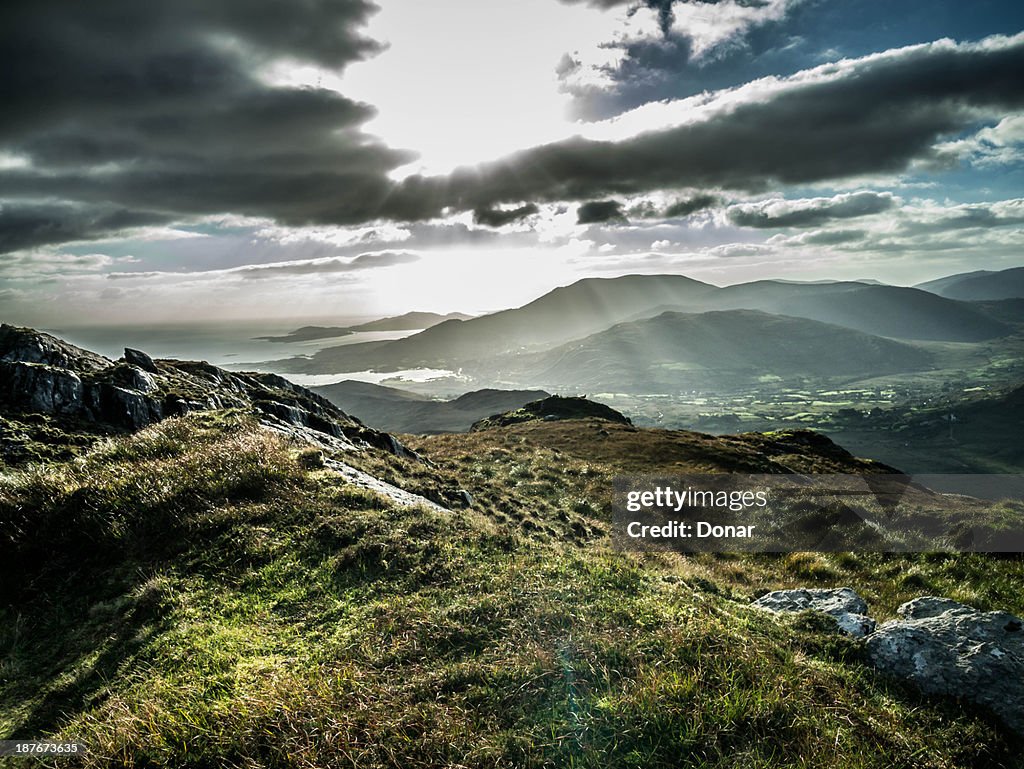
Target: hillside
pixel 593 305
pixel 979 285
pixel 675 351
pixel 226 589
pixel 984 436
pixel 903 313
pixel 394 410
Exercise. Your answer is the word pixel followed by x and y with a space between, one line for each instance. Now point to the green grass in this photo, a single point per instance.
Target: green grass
pixel 234 605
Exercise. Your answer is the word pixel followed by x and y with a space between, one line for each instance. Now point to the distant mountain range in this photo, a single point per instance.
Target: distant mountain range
pixel 593 305
pixel 720 349
pixel 410 321
pixel 979 285
pixel 394 410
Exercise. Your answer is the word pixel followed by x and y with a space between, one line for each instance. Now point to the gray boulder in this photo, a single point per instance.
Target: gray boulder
pixel 140 359
pixel 132 377
pixel 843 604
pixel 944 647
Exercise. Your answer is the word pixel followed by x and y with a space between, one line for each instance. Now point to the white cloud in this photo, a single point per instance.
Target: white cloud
pixel 1001 144
pixel 712 26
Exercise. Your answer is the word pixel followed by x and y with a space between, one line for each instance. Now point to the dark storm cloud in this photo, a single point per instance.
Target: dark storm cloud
pixel 773 45
pixel 597 211
pixel 499 217
pixel 154 110
pixel 810 213
pixel 689 206
pixel 159 105
pixel 26 225
pixel 681 208
pixel 866 117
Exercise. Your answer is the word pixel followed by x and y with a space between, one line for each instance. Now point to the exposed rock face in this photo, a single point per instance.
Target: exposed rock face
pixel 848 608
pixel 41 387
pixel 42 374
pixel 29 346
pixel 947 648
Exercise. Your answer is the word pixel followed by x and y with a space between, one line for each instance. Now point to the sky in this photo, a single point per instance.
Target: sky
pixel 209 160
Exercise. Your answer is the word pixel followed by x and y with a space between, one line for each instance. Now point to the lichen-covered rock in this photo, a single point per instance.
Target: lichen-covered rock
pixel 945 647
pixel 843 604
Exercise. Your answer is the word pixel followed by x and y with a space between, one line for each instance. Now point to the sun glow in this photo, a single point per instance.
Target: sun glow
pixel 467 81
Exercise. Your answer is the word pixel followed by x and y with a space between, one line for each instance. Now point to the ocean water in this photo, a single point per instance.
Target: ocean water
pixel 235 345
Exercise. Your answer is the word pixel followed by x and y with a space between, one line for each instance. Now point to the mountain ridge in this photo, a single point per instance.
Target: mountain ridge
pixel 979 285
pixel 595 304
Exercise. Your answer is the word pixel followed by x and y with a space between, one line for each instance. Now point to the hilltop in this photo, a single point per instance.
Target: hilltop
pixel 553 408
pixel 979 285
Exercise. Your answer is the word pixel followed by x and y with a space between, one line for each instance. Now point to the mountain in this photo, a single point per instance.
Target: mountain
pixel 592 305
pixel 410 321
pixel 566 313
pixel 400 411
pixel 722 349
pixel 893 311
pixel 981 284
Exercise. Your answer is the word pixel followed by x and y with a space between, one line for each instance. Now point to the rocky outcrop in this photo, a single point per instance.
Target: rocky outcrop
pixel 843 604
pixel 945 647
pixel 26 345
pixel 939 645
pixel 41 387
pixel 44 375
pixel 140 359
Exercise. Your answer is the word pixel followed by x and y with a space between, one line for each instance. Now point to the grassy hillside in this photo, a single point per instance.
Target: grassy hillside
pixel 207 593
pixel 984 436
